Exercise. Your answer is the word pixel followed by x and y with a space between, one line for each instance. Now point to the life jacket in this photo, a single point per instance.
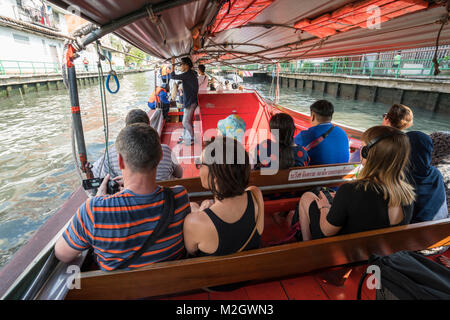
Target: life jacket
pixel 155 95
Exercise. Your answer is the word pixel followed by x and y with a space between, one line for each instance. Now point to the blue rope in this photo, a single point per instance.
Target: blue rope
pixel 113 74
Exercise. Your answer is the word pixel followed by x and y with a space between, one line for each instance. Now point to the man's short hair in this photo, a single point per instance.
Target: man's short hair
pixel 187 61
pixel 323 108
pixel 137 116
pixel 139 146
pixel 202 68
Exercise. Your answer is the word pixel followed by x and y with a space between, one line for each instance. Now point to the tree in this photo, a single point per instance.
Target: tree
pixel 137 53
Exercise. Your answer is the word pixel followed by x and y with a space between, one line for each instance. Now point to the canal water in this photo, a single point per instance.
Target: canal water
pixel 37 172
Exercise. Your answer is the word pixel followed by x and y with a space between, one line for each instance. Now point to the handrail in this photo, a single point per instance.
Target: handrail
pixel 384 68
pixel 23 67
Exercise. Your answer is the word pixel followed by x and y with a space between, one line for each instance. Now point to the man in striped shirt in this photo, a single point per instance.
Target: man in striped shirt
pixel 168 168
pixel 117 226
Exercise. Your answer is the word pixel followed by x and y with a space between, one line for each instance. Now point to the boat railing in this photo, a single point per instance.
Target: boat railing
pixel 24 67
pixel 404 68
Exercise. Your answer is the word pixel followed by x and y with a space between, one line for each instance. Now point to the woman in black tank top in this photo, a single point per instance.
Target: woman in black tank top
pixel 234 220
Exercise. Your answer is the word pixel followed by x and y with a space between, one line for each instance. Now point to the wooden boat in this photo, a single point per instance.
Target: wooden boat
pixel 34 272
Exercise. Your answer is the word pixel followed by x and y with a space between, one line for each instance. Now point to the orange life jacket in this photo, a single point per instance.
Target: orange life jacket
pixel 155 95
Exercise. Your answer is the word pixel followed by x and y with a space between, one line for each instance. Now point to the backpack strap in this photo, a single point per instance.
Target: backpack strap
pixel 317 141
pixel 161 227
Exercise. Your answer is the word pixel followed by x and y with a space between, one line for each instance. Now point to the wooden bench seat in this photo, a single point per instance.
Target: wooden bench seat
pixel 266 263
pixel 269 262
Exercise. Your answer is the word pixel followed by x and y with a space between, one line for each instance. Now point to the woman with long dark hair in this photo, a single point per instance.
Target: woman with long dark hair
pixel 289 154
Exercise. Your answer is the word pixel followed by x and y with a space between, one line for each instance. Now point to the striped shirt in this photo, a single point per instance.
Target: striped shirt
pixel 116 226
pixel 164 171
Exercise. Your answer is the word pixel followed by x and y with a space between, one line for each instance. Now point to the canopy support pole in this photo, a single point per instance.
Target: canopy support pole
pixel 76 115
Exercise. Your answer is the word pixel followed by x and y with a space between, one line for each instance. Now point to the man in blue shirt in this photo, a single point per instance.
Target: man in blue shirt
pixel 326 144
pixel 190 91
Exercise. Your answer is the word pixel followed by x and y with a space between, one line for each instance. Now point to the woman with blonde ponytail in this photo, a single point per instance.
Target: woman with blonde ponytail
pixel 379 198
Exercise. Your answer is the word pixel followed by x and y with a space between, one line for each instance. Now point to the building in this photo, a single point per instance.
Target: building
pixel 32 34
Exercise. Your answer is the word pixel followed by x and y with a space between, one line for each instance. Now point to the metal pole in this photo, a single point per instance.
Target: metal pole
pixel 76 115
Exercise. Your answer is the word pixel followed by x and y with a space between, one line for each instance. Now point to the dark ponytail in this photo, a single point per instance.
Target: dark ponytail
pixel 285 124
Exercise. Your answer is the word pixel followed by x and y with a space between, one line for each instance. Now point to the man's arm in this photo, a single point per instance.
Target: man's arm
pixel 64 252
pixel 77 237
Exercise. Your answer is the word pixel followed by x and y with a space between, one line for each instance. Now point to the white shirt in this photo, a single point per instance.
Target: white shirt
pixel 202 82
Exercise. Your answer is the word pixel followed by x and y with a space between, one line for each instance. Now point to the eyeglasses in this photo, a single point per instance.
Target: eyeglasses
pixel 384 115
pixel 199 164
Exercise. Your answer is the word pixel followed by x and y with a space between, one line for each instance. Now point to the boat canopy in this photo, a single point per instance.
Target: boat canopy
pixel 266 31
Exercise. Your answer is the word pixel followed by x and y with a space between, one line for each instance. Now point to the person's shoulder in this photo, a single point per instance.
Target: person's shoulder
pixel 165 148
pixel 179 191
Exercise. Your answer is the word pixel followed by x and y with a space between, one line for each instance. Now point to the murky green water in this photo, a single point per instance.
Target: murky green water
pixel 357 114
pixel 37 173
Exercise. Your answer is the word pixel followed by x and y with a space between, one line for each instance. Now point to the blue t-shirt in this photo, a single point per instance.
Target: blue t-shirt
pixel 333 149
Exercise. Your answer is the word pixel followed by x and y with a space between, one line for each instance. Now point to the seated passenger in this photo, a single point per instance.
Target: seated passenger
pixel 379 198
pixel 232 126
pixel 399 116
pixel 167 169
pixel 430 201
pixel 117 226
pixel 160 97
pixel 290 154
pixel 325 143
pixel 234 219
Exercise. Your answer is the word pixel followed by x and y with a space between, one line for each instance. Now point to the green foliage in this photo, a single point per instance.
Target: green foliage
pixel 138 53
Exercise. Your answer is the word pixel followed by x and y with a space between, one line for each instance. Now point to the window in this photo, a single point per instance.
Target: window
pixel 21 39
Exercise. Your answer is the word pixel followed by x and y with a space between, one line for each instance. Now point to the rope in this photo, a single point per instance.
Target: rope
pixel 101 82
pixel 443 22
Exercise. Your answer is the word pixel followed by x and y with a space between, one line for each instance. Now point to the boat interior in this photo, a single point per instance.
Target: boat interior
pixel 229 33
pixel 281 256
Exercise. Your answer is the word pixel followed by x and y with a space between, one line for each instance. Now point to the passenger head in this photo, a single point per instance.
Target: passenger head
pixel 202 69
pixel 399 116
pixel 165 86
pixel 384 155
pixel 232 126
pixel 225 167
pixel 186 64
pixel 139 148
pixel 421 153
pixel 286 128
pixel 321 111
pixel 137 116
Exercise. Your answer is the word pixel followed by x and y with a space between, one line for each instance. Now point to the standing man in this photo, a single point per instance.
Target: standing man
pixel 190 102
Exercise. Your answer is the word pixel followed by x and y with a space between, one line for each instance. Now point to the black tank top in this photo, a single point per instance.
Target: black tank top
pixel 232 236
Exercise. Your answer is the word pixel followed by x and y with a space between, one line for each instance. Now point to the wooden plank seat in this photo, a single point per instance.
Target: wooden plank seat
pixel 273 262
pixel 296 178
pixel 260 264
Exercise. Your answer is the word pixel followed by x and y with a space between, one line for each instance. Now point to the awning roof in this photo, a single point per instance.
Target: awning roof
pixel 254 42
